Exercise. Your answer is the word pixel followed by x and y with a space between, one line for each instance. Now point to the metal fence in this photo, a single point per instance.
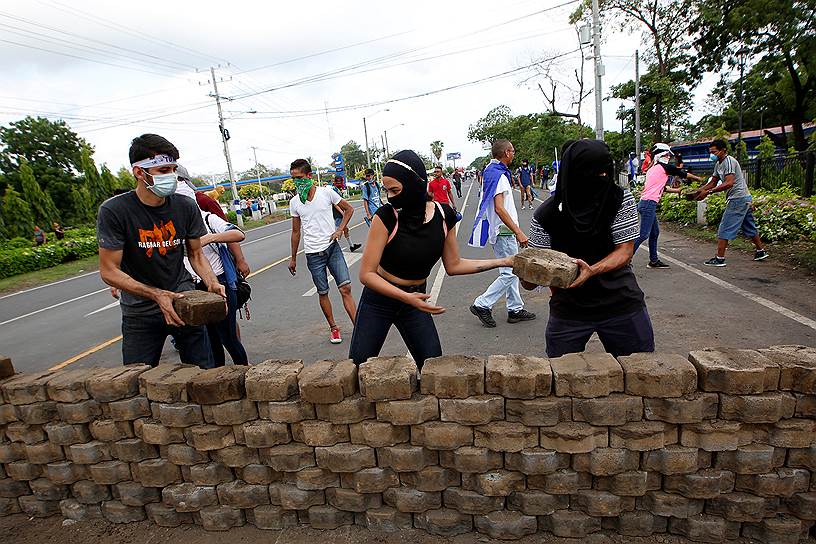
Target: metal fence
pixel 795 170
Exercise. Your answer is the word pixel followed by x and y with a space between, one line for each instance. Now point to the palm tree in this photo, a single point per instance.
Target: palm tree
pixel 436 148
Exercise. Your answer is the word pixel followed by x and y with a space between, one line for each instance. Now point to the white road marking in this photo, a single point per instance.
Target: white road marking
pixel 113 304
pixel 7 321
pixel 351 258
pixel 807 322
pixel 49 284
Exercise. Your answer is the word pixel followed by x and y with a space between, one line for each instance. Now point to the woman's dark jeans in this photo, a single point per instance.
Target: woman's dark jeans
pixel 375 315
pixel 224 334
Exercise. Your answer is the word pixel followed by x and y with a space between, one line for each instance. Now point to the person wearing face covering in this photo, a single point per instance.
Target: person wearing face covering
pixel 593 220
pixel 142 236
pixel 408 236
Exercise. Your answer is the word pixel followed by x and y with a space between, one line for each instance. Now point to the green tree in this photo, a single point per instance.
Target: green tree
pixel 766 148
pixel 3 231
pixel 252 191
pixel 436 148
pixel 108 181
pixel 17 215
pixel 82 208
pixel 353 156
pixel 780 33
pixel 43 208
pixel 93 181
pixel 288 186
pixel 125 179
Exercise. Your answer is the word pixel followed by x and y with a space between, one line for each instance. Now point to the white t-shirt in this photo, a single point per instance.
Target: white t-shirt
pixel 316 218
pixel 214 224
pixel 503 187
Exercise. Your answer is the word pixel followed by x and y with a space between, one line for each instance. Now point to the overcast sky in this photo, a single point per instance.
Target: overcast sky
pixel 147 54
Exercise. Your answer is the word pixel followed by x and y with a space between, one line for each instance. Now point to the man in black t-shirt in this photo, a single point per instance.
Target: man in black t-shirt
pixel 142 238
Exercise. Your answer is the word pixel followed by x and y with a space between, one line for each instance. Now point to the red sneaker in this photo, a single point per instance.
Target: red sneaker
pixel 335 337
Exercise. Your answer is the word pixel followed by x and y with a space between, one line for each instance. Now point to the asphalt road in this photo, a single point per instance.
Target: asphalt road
pixel 747 304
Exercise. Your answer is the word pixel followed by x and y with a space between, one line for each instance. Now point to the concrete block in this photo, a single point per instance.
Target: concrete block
pixel 65 434
pixel 378 434
pixel 69 385
pixel 75 510
pixel 505 436
pixel 658 375
pixel 388 378
pixel 11 451
pixel 496 483
pixel 271 517
pixel 130 409
pixel 11 489
pixel 704 484
pixel 111 384
pixel 782 529
pixel 570 524
pixel 286 411
pixel 257 474
pixel 209 437
pixel 135 494
pixel 431 478
pixel 536 461
pixel 167 383
pixel 405 499
pixel 406 458
pixel 220 518
pixel 209 474
pixel 351 501
pixel 265 434
pixel 242 495
pixel 506 525
pixel 445 522
pixel 735 371
pixel 748 459
pixel 704 528
pixel 643 435
pixel 288 457
pixel 440 435
pixel 232 412
pixel 273 380
pixel 25 433
pixel 802 457
pixel 292 498
pixel 692 408
pixel 802 505
pixel 109 430
pixel 26 388
pixel 805 406
pixel 545 267
pixel 574 437
pixel 7 413
pixel 328 517
pixel 560 482
pixel 601 503
pixel 711 435
pixel 218 385
pixel 326 382
pixel 345 457
pixel 153 432
pixel 23 471
pixel 6 368
pixel 782 482
pixel 37 413
pixel 797 367
pixel 518 376
pixel 763 408
pixel 156 473
pixel 638 523
pixel 180 414
pixel 43 453
pixel 387 519
pixel 471 459
pixel 418 409
pixel 665 504
pixel 312 478
pixel 133 450
pixel 46 490
pixel 374 480
pixel 742 507
pixel 478 410
pixel 66 472
pixel 110 472
pixel 615 409
pixel 166 516
pixel 793 433
pixel 200 308
pixel 453 377
pixel 536 503
pixel 632 483
pixel 352 409
pixel 586 375
pixel 116 512
pixel 541 412
pixel 35 508
pixel 85 411
pixel 88 492
pixel 236 456
pixel 606 461
pixel 319 433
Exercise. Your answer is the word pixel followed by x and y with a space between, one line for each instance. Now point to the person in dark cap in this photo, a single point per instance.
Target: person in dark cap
pixel 372 199
pixel 408 236
pixel 595 221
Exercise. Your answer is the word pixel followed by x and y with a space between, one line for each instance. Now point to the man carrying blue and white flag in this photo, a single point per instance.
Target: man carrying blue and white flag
pixel 497 224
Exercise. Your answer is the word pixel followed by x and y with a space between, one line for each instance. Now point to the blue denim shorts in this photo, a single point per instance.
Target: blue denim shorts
pixel 737 216
pixel 332 259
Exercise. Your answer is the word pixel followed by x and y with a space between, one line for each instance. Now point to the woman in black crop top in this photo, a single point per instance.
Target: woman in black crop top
pixel 408 236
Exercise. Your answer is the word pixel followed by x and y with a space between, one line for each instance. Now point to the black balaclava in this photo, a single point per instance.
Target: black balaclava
pixel 585 202
pixel 407 168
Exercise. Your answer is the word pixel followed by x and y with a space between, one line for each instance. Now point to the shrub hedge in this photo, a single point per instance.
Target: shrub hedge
pixel 28 259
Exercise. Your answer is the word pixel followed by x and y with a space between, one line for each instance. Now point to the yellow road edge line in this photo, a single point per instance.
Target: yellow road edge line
pixel 106 343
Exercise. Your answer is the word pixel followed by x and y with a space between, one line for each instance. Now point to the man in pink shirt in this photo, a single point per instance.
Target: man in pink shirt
pixel 656 179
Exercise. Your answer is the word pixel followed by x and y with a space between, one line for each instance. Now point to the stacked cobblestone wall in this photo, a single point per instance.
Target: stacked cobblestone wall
pixel 713 446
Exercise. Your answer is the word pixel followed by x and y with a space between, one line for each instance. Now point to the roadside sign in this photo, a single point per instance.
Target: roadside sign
pixel 454 156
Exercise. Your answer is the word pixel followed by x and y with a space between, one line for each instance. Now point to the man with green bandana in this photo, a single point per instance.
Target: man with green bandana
pixel 311 211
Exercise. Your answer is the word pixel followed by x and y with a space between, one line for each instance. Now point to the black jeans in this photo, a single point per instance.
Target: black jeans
pixel 620 335
pixel 224 334
pixel 143 339
pixel 375 315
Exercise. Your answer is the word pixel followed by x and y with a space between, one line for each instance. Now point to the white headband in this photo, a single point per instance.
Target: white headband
pixel 158 160
pixel 395 161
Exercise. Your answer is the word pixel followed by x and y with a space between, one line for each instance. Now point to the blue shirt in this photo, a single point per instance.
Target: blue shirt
pixel 525 175
pixel 371 195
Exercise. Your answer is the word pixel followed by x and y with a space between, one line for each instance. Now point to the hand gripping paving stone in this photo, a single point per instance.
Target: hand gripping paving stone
pixel 545 267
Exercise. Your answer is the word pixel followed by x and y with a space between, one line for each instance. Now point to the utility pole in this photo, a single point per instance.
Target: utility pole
pixel 742 52
pixel 637 106
pixel 599 69
pixel 368 155
pixel 387 153
pixel 257 170
pixel 224 138
pixel 385 147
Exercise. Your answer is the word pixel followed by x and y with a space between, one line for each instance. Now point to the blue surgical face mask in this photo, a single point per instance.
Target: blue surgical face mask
pixel 713 157
pixel 163 184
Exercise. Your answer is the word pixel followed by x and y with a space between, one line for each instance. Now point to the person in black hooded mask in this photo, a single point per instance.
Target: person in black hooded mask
pixel 595 221
pixel 408 236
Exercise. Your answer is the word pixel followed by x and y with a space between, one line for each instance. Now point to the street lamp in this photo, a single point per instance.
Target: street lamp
pixel 365 133
pixel 622 115
pixel 385 132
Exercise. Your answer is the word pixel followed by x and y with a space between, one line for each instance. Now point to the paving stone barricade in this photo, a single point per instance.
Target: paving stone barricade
pixel 712 446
